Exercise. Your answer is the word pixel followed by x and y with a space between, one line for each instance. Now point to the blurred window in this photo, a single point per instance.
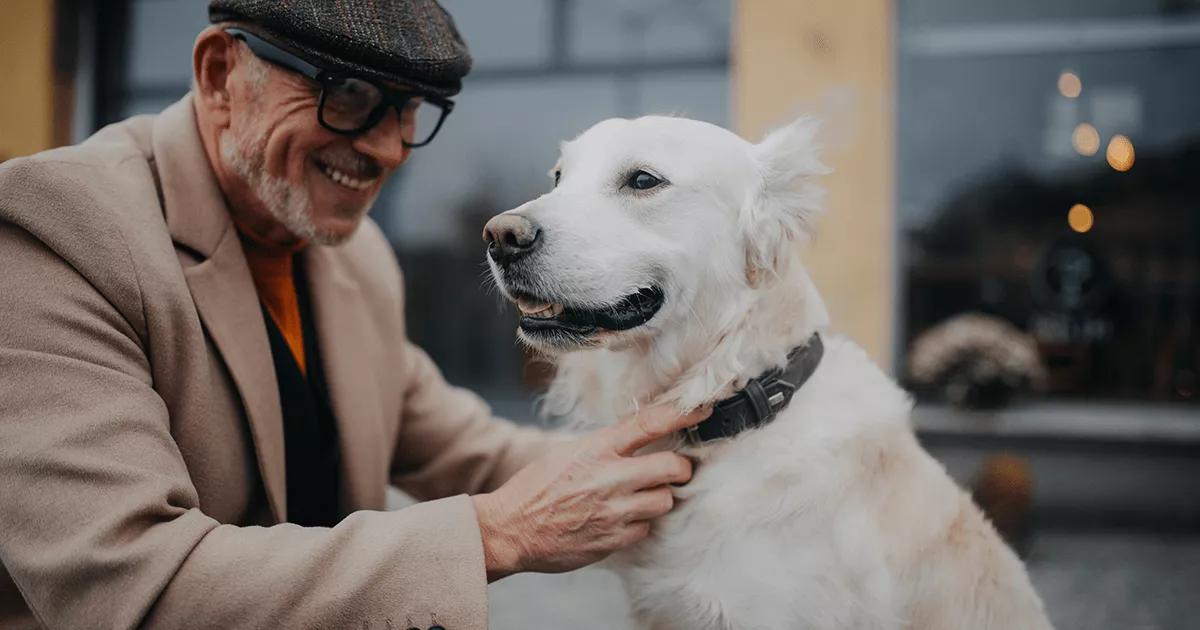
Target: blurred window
pixel 1049 173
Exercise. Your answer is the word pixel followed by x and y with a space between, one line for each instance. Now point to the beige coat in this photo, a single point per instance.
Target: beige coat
pixel 141 438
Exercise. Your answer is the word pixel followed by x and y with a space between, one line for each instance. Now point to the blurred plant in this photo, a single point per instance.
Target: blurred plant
pixel 975 361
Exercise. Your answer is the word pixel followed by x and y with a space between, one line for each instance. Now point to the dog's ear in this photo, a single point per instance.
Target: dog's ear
pixel 781 210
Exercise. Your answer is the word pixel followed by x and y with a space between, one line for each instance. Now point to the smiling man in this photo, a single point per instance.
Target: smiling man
pixel 205 382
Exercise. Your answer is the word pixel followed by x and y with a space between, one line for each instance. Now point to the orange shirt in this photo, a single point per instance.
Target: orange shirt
pixel 271 268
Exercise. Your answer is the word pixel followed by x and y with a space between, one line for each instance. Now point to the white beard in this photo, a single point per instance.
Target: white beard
pixel 288 204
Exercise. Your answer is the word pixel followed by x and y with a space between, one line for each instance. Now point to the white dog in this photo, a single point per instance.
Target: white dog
pixel 664 266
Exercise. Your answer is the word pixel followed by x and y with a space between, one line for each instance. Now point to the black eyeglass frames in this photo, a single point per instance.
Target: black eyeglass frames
pixel 353 105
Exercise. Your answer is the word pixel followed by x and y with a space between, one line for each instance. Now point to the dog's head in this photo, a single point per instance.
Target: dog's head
pixel 653 223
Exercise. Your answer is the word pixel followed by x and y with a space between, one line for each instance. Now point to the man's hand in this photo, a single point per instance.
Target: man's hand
pixel 585 498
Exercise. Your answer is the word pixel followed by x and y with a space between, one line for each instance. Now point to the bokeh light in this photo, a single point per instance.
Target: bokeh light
pixel 1120 153
pixel 1080 218
pixel 1069 84
pixel 1085 139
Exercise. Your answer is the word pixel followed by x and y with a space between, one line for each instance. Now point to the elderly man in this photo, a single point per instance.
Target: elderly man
pixel 205 383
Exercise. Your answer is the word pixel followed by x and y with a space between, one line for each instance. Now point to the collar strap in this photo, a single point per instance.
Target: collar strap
pixel 762 398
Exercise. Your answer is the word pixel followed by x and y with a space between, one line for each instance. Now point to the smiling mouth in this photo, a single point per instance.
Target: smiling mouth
pixel 541 317
pixel 356 182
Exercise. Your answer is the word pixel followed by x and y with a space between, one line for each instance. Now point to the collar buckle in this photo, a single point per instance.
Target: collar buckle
pixel 763 397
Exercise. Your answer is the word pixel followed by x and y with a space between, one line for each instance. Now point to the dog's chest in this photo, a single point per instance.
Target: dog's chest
pixel 750 551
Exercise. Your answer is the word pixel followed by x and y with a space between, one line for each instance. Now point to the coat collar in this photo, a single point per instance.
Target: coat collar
pixel 194 206
pixel 219 278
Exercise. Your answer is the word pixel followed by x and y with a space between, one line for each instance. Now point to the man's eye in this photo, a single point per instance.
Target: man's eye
pixel 641 180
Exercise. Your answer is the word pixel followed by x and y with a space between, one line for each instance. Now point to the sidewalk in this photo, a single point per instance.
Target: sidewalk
pixel 1092 581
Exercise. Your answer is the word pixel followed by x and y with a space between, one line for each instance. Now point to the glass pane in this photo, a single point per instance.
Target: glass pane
pixel 1047 176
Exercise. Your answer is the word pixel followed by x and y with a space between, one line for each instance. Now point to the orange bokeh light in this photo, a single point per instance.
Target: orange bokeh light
pixel 1120 153
pixel 1085 139
pixel 1069 84
pixel 1080 218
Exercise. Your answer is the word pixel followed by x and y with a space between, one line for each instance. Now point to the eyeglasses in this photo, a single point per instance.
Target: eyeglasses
pixel 353 105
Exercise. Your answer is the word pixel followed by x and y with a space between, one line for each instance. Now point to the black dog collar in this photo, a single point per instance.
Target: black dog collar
pixel 758 403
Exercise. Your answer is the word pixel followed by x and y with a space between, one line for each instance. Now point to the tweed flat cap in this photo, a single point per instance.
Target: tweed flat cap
pixel 407 42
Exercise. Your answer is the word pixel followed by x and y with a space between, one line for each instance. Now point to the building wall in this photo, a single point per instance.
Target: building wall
pixel 833 60
pixel 27 65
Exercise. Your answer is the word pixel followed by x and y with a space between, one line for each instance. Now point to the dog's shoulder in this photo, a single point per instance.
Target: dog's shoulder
pixel 849 385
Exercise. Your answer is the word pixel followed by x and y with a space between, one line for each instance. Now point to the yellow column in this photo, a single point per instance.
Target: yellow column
pixel 27 68
pixel 833 59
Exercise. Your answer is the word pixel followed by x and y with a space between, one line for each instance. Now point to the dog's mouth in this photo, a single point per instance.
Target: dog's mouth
pixel 539 316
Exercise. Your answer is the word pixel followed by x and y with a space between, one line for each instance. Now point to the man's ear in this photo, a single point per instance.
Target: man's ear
pixel 781 211
pixel 213 58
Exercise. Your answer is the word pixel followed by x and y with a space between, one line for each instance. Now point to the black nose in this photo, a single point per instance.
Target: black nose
pixel 510 236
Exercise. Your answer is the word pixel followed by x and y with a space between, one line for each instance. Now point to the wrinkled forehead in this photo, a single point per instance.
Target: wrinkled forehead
pixel 677 146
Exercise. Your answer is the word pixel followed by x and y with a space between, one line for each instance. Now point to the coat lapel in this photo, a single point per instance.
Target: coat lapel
pixel 221 285
pixel 343 326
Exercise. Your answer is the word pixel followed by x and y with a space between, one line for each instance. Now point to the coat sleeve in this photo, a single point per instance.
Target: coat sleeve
pixel 449 441
pixel 100 524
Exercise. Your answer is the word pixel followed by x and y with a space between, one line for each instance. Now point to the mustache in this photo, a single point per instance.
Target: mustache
pixel 351 162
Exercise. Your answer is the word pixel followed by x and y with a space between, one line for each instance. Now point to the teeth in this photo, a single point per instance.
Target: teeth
pixel 347 181
pixel 539 310
pixel 530 307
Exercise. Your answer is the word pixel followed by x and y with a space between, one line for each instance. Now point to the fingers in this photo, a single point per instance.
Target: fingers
pixel 647 505
pixel 634 532
pixel 651 423
pixel 657 469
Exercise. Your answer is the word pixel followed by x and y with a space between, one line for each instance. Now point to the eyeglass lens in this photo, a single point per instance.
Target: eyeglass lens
pixel 352 104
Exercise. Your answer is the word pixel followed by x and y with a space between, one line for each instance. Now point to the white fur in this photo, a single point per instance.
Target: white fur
pixel 830 517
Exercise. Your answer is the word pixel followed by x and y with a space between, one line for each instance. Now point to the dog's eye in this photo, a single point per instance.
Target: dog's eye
pixel 557 177
pixel 641 180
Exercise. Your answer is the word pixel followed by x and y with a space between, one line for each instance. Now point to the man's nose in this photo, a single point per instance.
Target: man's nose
pixel 385 141
pixel 510 236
